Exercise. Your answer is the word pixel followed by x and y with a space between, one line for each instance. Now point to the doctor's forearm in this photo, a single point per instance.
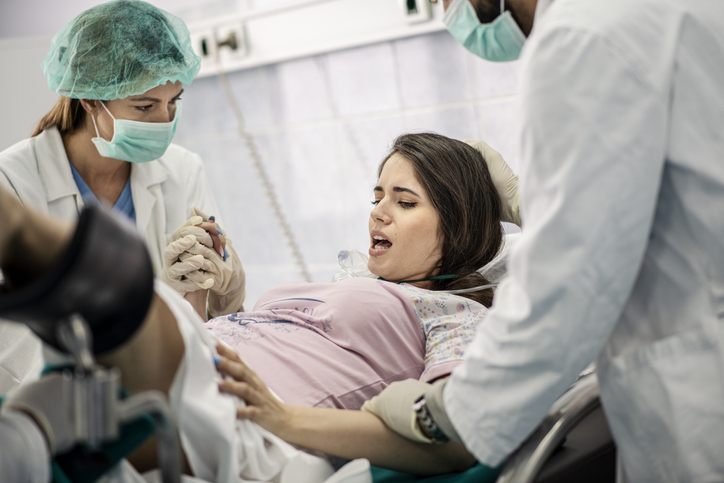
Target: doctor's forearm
pixel 359 434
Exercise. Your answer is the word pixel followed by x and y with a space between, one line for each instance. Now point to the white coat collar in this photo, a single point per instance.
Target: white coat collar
pixel 54 167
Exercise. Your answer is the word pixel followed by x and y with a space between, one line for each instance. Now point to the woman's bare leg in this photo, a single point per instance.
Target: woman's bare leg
pixel 29 241
pixel 148 361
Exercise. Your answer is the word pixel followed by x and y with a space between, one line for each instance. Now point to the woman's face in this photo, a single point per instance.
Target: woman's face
pixel 405 242
pixel 155 105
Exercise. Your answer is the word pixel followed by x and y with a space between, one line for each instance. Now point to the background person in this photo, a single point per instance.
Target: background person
pixel 622 253
pixel 119 68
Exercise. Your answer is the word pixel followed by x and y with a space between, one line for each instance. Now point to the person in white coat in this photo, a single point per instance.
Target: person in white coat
pixel 621 257
pixel 24 455
pixel 119 68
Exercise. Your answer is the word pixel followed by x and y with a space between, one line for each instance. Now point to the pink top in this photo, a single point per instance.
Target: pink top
pixel 339 344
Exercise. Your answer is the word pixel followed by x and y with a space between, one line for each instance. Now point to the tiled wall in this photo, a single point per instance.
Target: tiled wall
pixel 322 124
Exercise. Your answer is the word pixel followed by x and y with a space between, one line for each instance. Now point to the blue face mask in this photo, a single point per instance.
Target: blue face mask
pixel 499 40
pixel 134 141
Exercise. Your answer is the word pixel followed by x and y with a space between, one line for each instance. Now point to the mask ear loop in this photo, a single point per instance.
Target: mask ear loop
pixel 95 125
pixel 502 6
pixel 98 135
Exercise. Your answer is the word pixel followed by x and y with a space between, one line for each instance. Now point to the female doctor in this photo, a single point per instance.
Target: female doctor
pixel 119 68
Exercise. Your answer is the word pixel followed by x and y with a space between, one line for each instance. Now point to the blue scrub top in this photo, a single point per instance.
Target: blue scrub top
pixel 124 204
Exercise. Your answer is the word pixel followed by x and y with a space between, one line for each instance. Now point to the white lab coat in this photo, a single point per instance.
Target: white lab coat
pixel 24 455
pixel 37 170
pixel 622 251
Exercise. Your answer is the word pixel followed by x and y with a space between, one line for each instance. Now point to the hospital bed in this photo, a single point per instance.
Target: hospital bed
pixel 572 443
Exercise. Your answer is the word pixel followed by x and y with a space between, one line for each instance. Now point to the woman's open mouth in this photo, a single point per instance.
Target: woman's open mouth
pixel 380 245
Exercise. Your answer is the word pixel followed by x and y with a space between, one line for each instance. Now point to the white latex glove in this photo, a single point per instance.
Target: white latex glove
pixel 50 402
pixel 505 181
pixel 183 271
pixel 191 227
pixel 191 263
pixel 394 407
pixel 228 291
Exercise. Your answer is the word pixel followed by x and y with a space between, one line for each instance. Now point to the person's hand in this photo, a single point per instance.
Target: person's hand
pixel 50 403
pixel 394 407
pixel 183 270
pixel 225 279
pixel 201 257
pixel 505 181
pixel 262 407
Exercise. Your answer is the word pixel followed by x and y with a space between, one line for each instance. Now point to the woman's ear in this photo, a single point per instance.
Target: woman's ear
pixel 90 105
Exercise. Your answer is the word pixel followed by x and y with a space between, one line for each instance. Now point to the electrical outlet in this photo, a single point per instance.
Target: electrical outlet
pixel 415 11
pixel 230 41
pixel 204 44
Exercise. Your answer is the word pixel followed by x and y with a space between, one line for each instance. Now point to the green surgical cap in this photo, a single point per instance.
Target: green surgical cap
pixel 118 49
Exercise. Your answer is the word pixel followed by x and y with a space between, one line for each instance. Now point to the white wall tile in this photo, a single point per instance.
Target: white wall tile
pixel 499 127
pixel 206 111
pixel 363 80
pixel 493 79
pixel 433 69
pixel 456 122
pixel 253 95
pixel 300 90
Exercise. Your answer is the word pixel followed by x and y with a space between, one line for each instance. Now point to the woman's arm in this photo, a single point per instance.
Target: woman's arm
pixel 349 434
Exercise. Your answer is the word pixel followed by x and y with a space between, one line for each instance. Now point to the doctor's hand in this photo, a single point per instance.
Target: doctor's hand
pixel 200 256
pixel 394 406
pixel 262 407
pixel 505 181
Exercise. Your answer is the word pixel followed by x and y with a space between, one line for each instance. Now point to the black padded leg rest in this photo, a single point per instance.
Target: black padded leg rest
pixel 105 275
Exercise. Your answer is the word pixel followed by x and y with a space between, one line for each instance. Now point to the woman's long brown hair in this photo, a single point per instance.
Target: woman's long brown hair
pixel 67 115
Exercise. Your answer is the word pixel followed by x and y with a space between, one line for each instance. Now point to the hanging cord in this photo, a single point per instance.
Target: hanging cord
pixel 262 173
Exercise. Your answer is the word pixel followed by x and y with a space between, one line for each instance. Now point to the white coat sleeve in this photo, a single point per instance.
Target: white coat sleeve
pixel 593 148
pixel 24 456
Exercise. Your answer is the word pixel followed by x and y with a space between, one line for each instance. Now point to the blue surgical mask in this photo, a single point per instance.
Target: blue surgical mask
pixel 135 141
pixel 499 40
